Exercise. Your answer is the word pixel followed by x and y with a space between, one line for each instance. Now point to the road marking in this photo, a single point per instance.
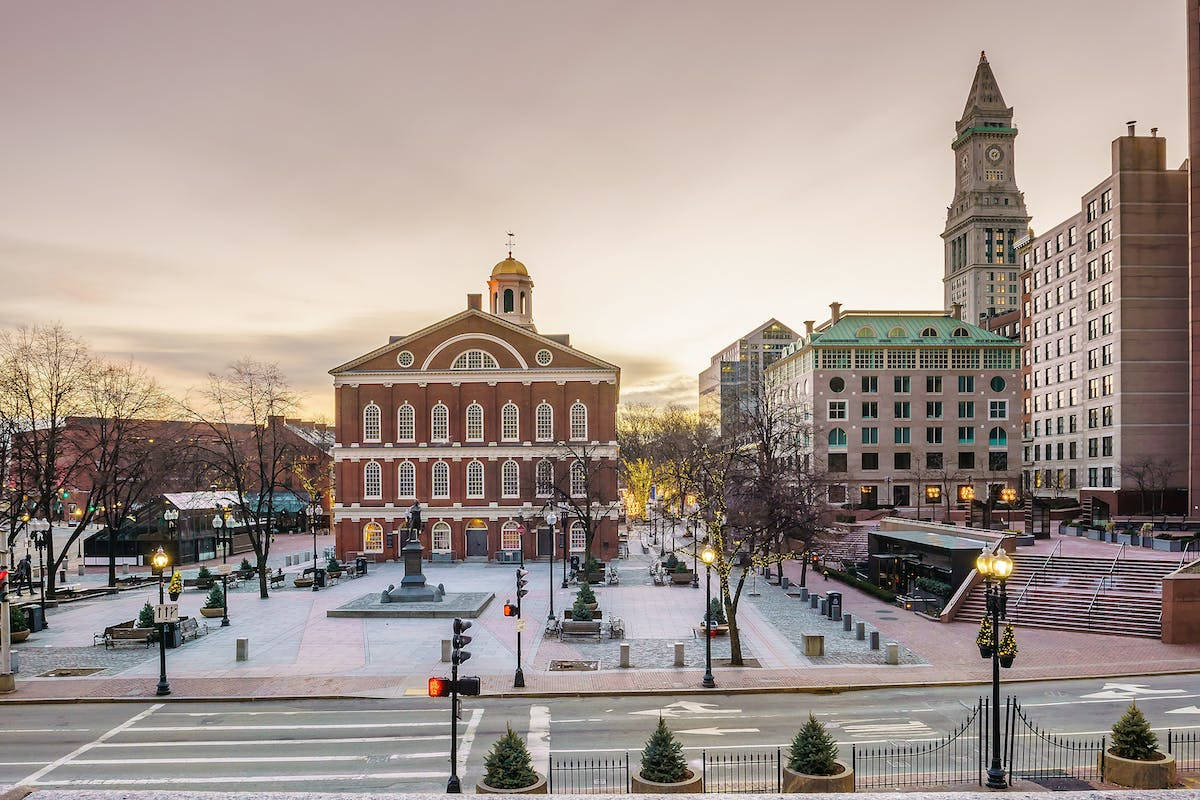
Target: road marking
pixel 718 731
pixel 1185 710
pixel 45 730
pixel 912 726
pixel 682 707
pixel 322 726
pixel 22 763
pixel 252 742
pixel 569 721
pixel 402 756
pixel 468 739
pixel 349 776
pixel 538 738
pixel 1119 699
pixel 84 748
pixel 339 712
pixel 214 760
pixel 1124 691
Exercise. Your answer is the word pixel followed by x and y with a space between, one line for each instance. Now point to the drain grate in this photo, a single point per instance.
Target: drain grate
pixel 573 666
pixel 71 672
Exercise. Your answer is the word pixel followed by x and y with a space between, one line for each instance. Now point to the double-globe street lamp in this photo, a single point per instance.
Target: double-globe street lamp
pixel 998 568
pixel 159 562
pixel 708 555
pixel 310 516
pixel 550 516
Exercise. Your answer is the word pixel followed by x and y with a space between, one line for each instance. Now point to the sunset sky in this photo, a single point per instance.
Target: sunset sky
pixel 187 183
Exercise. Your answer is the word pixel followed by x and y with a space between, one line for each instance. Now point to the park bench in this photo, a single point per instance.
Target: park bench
pixel 123 633
pixel 589 630
pixel 276 579
pixel 190 628
pixel 616 628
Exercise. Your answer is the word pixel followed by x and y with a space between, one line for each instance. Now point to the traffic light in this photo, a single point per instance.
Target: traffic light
pixel 468 686
pixel 460 641
pixel 439 687
pixel 815 559
pixel 510 610
pixel 3 585
pixel 522 581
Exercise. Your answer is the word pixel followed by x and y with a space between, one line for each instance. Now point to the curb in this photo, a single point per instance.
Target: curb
pixel 654 692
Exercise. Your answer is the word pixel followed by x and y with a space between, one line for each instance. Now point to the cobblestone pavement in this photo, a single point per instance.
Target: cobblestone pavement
pixel 36 660
pixel 643 653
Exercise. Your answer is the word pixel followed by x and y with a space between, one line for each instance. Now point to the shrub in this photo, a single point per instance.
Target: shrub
pixel 859 583
pixel 204 576
pixel 176 584
pixel 672 562
pixel 216 598
pixel 592 565
pixel 580 612
pixel 1008 641
pixel 508 764
pixel 984 637
pixel 586 594
pixel 333 566
pixel 146 617
pixel 662 760
pixel 1132 737
pixel 935 587
pixel 814 752
pixel 18 620
pixel 246 566
pixel 682 569
pixel 717 609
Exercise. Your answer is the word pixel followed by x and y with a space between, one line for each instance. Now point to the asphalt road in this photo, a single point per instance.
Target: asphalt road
pixel 402 745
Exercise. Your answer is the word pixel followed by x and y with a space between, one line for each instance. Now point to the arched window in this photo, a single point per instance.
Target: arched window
pixel 372 481
pixel 508 301
pixel 578 537
pixel 441 537
pixel 510 536
pixel 510 422
pixel 837 438
pixel 372 538
pixel 510 479
pixel 545 422
pixel 578 480
pixel 474 423
pixel 475 359
pixel 579 426
pixel 997 437
pixel 524 304
pixel 439 427
pixel 865 332
pixel 475 479
pixel 545 478
pixel 896 333
pixel 406 479
pixel 441 480
pixel 371 423
pixel 929 333
pixel 406 423
pixel 960 332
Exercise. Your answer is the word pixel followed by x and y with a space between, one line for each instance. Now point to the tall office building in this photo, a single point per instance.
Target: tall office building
pixel 735 374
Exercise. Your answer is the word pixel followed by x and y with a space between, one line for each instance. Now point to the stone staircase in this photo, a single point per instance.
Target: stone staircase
pixel 842 545
pixel 1063 595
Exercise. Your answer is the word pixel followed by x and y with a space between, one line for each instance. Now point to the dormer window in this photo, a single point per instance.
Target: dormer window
pixel 929 333
pixel 961 332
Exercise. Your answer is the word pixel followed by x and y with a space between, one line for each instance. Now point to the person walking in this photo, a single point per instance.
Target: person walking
pixel 24 572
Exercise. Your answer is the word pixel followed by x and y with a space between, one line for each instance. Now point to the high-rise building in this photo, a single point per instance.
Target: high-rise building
pixel 1193 83
pixel 987 214
pixel 735 374
pixel 1104 327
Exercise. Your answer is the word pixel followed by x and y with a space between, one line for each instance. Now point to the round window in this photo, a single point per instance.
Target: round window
pixel 997 384
pixel 405 358
pixel 543 357
pixel 836 384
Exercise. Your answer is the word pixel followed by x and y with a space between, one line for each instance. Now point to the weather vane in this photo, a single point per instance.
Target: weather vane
pixel 511 236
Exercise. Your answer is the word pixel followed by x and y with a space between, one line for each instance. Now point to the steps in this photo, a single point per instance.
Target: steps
pixel 1129 604
pixel 842 545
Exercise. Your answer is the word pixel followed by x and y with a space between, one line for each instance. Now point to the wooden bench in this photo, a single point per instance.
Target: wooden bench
pixel 190 628
pixel 124 633
pixel 584 629
pixel 276 579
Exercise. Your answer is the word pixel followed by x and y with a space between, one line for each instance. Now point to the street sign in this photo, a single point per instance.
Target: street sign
pixel 520 626
pixel 166 612
pixel 225 569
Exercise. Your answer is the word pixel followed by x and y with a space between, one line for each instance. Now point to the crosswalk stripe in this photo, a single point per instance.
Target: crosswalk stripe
pixel 212 760
pixel 338 711
pixel 251 742
pixel 218 779
pixel 321 726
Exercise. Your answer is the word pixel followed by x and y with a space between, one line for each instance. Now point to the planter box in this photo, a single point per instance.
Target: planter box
pixel 693 784
pixel 441 558
pixel 1148 542
pixel 1169 545
pixel 1095 534
pixel 537 788
pixel 1131 539
pixel 212 612
pixel 812 784
pixel 1157 774
pixel 20 636
pixel 680 578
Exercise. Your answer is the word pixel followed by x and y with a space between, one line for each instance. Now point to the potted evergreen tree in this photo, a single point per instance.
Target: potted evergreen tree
pixel 1133 758
pixel 1008 646
pixel 664 769
pixel 580 611
pixel 720 626
pixel 18 624
pixel 984 637
pixel 682 574
pixel 588 597
pixel 333 569
pixel 204 579
pixel 214 605
pixel 175 587
pixel 245 569
pixel 812 763
pixel 509 769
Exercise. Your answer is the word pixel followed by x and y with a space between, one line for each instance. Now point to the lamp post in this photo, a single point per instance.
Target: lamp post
pixel 310 520
pixel 1009 496
pixel 708 556
pixel 217 524
pixel 566 546
pixel 998 568
pixel 933 494
pixel 159 562
pixel 38 535
pixel 551 519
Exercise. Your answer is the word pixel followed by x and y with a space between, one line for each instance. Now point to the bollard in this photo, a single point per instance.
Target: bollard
pixel 860 631
pixel 813 600
pixel 679 654
pixel 874 640
pixel 893 653
pixel 446 650
pixel 243 649
pixel 785 583
pixel 14 661
pixel 81 571
pixel 803 592
pixel 824 607
pixel 847 621
pixel 624 654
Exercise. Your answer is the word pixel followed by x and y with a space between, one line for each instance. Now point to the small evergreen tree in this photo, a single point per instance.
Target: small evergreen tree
pixel 580 612
pixel 1132 737
pixel 508 764
pixel 17 619
pixel 662 760
pixel 203 576
pixel 333 565
pixel 176 584
pixel 216 598
pixel 146 616
pixel 672 562
pixel 813 750
pixel 984 637
pixel 586 594
pixel 245 566
pixel 717 609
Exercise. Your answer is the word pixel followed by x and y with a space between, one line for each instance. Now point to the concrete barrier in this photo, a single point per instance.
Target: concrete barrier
pixel 625 654
pixel 803 592
pixel 860 630
pixel 679 661
pixel 813 601
pixel 847 621
pixel 824 607
pixel 893 653
pixel 243 649
pixel 874 640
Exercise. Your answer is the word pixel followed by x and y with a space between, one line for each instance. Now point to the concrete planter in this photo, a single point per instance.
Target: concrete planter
pixel 212 612
pixel 1131 539
pixel 693 784
pixel 537 788
pixel 811 784
pixel 1168 545
pixel 20 636
pixel 1095 534
pixel 1148 542
pixel 1156 774
pixel 680 578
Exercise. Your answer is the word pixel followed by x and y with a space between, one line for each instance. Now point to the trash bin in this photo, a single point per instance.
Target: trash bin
pixel 36 620
pixel 174 635
pixel 360 566
pixel 835 605
pixel 319 577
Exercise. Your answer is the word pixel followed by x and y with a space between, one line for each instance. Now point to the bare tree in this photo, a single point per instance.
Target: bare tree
pixel 585 485
pixel 1153 475
pixel 248 448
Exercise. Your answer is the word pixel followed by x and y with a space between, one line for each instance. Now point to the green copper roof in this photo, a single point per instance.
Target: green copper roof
pixel 969 131
pixel 883 330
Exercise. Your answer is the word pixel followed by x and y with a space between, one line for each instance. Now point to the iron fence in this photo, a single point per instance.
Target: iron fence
pixel 1034 754
pixel 1186 749
pixel 589 775
pixel 957 757
pixel 742 771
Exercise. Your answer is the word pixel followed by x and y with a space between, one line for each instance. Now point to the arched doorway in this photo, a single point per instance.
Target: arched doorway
pixel 477 546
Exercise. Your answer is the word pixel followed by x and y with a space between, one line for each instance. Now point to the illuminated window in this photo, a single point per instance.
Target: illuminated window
pixel 510 536
pixel 372 536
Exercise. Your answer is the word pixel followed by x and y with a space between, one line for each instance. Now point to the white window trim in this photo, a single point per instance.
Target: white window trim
pixel 829 410
pixel 510 405
pixel 511 528
pixel 379 413
pixel 401 466
pixel 365 547
pixel 548 491
pixel 503 488
pixel 537 428
pixel 482 480
pixel 367 495
pixel 571 478
pixel 433 538
pixel 467 424
pixel 433 422
pixel 413 412
pixel 433 481
pixel 578 405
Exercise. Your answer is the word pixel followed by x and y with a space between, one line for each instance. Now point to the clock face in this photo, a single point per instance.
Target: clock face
pixel 994 154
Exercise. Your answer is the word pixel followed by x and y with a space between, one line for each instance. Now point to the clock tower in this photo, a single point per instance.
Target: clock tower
pixel 987 215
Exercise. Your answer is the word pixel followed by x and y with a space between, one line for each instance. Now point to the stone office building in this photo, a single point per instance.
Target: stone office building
pixel 904 400
pixel 735 374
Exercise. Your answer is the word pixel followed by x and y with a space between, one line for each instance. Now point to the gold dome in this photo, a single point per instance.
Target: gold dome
pixel 510 266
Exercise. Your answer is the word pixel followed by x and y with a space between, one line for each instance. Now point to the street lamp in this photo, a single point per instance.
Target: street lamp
pixel 933 494
pixel 995 567
pixel 1008 495
pixel 159 562
pixel 566 545
pixel 38 530
pixel 551 518
pixel 708 556
pixel 310 517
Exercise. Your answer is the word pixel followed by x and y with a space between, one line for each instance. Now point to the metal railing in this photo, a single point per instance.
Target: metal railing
pixel 958 757
pixel 1187 546
pixel 589 775
pixel 1032 753
pixel 1186 749
pixel 1015 611
pixel 1105 581
pixel 742 772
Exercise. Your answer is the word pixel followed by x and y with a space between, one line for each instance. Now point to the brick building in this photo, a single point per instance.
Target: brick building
pixel 483 420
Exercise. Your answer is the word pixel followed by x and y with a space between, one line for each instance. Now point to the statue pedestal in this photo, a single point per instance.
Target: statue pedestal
pixel 412 586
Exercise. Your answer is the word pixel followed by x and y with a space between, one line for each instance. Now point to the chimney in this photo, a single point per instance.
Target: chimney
pixel 1154 132
pixel 835 312
pixel 808 328
pixel 475 302
pixel 1132 125
pixel 956 310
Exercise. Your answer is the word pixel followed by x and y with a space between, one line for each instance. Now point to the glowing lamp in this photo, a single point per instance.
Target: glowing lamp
pixel 708 555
